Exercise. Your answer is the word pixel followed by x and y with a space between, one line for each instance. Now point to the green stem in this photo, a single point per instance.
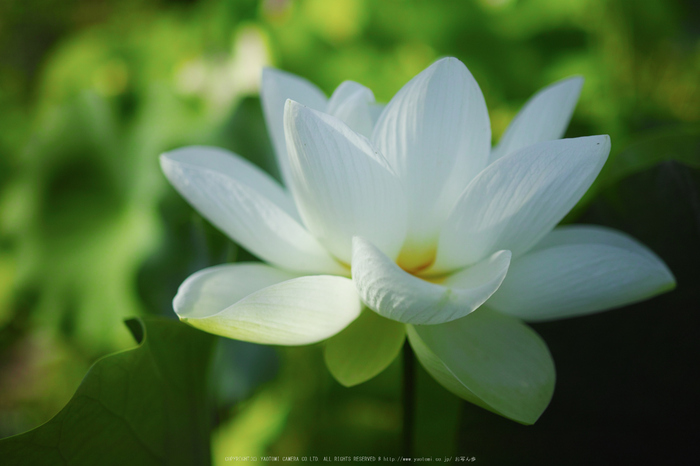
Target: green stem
pixel 409 392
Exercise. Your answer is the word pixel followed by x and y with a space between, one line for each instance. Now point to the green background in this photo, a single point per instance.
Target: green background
pixel 91 233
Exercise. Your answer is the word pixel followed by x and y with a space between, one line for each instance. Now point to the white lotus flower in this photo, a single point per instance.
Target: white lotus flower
pixel 429 223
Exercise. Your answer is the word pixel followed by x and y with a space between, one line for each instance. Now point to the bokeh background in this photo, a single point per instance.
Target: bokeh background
pixel 90 232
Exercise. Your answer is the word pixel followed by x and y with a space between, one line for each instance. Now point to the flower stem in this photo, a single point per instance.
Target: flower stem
pixel 409 392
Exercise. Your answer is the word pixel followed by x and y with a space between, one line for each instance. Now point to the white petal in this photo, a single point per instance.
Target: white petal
pixel 342 185
pixel 277 87
pixel 257 303
pixel 578 270
pixel 544 117
pixel 352 103
pixel 518 199
pixel 398 295
pixel 489 359
pixel 232 165
pixel 211 290
pixel 436 135
pixel 343 92
pixel 592 234
pixel 376 111
pixel 247 205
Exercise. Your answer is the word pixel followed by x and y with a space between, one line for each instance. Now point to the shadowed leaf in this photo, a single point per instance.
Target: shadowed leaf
pixel 143 406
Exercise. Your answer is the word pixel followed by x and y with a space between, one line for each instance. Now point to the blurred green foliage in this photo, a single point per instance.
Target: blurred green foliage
pixel 90 233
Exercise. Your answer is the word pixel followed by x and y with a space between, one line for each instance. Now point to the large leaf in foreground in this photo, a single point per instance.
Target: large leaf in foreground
pixel 143 406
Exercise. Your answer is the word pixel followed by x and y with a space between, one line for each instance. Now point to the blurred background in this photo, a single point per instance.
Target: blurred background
pixel 91 233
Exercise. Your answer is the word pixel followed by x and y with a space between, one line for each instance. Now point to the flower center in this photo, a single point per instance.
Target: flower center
pixel 415 259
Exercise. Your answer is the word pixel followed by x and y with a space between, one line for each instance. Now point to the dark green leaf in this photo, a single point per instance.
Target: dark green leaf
pixel 680 143
pixel 144 406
